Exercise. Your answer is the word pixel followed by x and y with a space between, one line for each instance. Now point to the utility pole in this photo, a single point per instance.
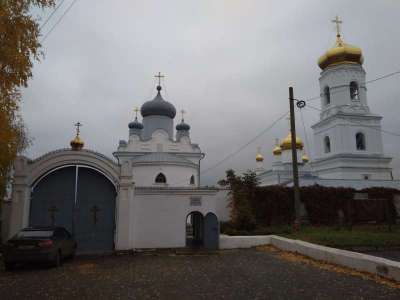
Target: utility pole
pixel 297 203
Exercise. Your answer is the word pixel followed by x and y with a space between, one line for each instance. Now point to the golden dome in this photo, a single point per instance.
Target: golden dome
pixel 305 158
pixel 77 143
pixel 277 150
pixel 259 156
pixel 341 53
pixel 287 143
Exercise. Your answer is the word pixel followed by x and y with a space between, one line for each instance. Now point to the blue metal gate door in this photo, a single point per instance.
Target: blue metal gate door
pixel 52 199
pixel 211 232
pixel 95 212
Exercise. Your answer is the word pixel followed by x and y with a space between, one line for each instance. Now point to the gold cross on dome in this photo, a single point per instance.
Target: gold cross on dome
pixel 78 125
pixel 183 112
pixel 136 109
pixel 159 76
pixel 337 21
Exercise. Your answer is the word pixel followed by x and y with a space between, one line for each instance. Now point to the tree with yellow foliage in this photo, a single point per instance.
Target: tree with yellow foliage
pixel 19 48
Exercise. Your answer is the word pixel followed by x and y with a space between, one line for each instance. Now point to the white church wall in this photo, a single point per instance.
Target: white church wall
pixel 145 175
pixel 160 215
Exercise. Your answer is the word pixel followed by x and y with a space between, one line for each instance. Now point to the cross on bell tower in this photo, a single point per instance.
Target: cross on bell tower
pixel 337 22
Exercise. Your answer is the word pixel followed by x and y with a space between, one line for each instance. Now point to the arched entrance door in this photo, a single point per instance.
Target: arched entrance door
pixel 211 232
pixel 202 231
pixel 82 200
pixel 194 230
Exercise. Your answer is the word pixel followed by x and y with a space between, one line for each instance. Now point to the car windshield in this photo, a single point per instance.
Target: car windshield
pixel 35 233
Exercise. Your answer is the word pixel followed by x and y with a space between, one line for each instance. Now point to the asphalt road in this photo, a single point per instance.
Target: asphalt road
pixel 239 274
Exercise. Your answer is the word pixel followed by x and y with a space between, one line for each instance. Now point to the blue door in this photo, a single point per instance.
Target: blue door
pixel 94 216
pixel 211 232
pixel 80 199
pixel 52 199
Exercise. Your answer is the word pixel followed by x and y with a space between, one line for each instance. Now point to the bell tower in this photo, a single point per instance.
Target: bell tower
pixel 347 138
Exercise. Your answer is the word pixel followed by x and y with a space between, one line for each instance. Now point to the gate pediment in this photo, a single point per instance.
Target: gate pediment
pixel 41 166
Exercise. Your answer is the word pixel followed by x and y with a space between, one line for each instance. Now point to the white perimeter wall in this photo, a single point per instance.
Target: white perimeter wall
pixel 159 219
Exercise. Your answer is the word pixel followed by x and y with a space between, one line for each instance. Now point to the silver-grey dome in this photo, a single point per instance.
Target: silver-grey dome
pixel 183 126
pixel 135 124
pixel 158 107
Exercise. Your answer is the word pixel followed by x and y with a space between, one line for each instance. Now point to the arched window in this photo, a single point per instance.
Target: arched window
pixel 327 144
pixel 360 141
pixel 192 179
pixel 327 95
pixel 161 178
pixel 354 93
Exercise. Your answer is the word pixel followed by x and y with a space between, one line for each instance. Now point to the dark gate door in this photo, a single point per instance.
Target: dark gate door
pixel 52 199
pixel 89 217
pixel 94 219
pixel 211 232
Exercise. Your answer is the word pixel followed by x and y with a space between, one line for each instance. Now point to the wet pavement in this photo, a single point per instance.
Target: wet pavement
pixel 236 274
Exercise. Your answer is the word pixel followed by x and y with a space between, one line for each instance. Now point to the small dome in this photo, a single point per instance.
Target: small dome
pixel 77 143
pixel 259 157
pixel 341 53
pixel 158 107
pixel 183 126
pixel 277 150
pixel 305 158
pixel 135 124
pixel 287 143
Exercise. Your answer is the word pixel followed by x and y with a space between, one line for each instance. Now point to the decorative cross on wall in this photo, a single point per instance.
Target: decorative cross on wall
pixel 52 211
pixel 94 210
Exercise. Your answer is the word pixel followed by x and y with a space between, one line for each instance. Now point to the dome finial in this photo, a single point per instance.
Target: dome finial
pixel 159 76
pixel 77 143
pixel 183 113
pixel 136 109
pixel 337 21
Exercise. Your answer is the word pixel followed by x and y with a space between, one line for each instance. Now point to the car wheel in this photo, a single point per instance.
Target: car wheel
pixel 9 266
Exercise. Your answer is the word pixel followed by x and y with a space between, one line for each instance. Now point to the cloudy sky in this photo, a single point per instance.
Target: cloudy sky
pixel 228 63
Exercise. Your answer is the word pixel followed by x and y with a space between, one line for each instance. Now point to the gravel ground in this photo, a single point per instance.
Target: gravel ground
pixel 239 274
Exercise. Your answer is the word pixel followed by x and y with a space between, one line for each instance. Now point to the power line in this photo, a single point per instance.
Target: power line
pixel 59 20
pixel 239 149
pixel 51 15
pixel 346 87
pixel 245 145
pixel 358 123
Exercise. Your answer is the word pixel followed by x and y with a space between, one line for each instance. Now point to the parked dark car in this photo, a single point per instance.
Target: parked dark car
pixel 39 244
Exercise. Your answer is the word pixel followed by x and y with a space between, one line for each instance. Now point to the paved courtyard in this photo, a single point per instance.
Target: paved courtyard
pixel 238 274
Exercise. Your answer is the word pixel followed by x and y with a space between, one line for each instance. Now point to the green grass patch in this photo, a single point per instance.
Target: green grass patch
pixel 360 236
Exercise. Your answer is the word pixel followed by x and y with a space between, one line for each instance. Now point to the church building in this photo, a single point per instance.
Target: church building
pixel 147 196
pixel 348 147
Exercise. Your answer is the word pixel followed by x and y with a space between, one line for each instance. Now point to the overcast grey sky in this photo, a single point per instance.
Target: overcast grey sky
pixel 228 63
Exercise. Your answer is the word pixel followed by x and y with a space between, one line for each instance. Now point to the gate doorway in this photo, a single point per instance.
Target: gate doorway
pixel 194 230
pixel 202 231
pixel 80 199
